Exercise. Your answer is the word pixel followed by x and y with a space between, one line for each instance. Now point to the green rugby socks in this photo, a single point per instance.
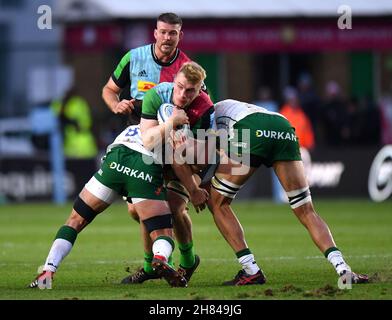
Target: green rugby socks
pixel 187 258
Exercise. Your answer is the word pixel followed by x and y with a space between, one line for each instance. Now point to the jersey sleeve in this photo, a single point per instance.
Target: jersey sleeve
pixel 151 103
pixel 121 75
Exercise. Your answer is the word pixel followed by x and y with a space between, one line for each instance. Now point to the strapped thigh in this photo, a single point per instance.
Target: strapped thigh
pixel 225 187
pixel 299 197
pixel 159 222
pixel 84 210
pixel 99 190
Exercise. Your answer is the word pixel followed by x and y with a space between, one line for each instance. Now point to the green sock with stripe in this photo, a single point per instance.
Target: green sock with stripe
pixel 148 259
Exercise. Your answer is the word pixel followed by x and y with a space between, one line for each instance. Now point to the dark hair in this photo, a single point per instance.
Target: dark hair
pixel 170 18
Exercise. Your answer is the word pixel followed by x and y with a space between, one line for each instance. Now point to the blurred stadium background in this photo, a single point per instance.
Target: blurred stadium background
pixel 254 51
pixel 342 78
pixel 263 52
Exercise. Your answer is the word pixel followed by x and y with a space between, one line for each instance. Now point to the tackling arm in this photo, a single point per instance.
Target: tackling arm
pixel 154 133
pixel 183 171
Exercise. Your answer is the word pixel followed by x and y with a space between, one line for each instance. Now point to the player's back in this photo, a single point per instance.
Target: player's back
pixel 228 112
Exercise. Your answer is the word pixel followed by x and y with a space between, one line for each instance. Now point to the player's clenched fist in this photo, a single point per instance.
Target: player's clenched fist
pixel 124 106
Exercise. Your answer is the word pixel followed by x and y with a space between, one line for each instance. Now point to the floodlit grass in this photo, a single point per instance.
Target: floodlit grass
pixel 294 267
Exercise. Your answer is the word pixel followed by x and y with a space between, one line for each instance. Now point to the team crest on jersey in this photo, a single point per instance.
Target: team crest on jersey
pixel 145 85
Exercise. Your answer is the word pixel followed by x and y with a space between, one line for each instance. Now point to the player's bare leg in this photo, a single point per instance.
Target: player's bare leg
pixel 132 212
pixel 182 225
pixel 182 222
pixel 146 239
pixel 230 227
pixel 226 221
pixel 183 232
pixel 86 207
pixel 156 216
pixel 219 205
pixel 292 177
pixel 146 272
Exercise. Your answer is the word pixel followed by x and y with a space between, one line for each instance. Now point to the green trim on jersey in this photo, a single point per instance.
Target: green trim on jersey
pixel 151 103
pixel 125 171
pixel 121 66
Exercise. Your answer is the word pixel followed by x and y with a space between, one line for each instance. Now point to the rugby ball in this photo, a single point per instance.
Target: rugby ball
pixel 165 111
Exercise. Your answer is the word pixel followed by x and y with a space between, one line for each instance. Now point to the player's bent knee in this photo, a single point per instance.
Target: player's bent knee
pixel 84 210
pixel 299 197
pixel 225 187
pixel 159 222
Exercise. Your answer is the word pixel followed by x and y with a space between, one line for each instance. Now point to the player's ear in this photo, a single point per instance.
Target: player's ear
pixel 156 34
pixel 181 34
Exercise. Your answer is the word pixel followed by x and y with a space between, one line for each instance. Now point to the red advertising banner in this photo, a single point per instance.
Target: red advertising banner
pixel 93 37
pixel 286 37
pixel 225 36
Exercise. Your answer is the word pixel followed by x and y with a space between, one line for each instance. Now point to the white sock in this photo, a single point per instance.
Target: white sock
pixel 59 250
pixel 249 264
pixel 162 247
pixel 336 259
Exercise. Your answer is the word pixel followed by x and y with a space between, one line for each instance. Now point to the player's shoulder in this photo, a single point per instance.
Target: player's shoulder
pixel 161 93
pixel 203 99
pixel 183 57
pixel 142 50
pixel 163 87
pixel 143 47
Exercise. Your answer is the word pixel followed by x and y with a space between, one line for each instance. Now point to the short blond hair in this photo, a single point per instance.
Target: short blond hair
pixel 193 72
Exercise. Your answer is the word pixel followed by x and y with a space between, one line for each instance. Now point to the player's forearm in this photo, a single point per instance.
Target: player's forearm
pixel 110 97
pixel 197 195
pixel 185 174
pixel 156 135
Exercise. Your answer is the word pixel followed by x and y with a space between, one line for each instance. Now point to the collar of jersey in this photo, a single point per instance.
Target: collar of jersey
pixel 163 64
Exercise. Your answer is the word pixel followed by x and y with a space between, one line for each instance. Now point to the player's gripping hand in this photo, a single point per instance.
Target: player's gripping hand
pixel 199 197
pixel 124 107
pixel 179 117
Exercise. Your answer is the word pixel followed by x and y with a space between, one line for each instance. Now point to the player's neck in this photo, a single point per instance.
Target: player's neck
pixel 165 58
